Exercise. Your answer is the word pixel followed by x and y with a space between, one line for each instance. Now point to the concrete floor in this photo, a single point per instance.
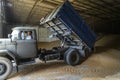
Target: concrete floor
pixel 104 64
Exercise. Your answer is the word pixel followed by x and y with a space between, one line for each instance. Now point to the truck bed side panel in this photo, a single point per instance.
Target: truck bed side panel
pixel 72 20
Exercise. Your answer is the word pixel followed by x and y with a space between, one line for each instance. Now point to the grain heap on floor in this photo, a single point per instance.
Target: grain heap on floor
pixel 104 64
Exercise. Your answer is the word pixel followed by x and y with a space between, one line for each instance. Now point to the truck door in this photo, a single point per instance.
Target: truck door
pixel 27 45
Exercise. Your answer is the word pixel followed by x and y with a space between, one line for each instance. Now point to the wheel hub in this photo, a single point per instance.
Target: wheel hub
pixel 2 68
pixel 73 58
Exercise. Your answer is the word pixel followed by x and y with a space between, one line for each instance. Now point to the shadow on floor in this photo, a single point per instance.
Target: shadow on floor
pixel 29 69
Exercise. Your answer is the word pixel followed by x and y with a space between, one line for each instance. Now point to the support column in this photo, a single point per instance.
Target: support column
pixel 2 17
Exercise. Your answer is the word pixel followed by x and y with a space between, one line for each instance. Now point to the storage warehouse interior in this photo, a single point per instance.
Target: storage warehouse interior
pixel 103 17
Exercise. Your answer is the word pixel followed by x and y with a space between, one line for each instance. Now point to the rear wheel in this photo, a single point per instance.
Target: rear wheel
pixel 87 53
pixel 5 68
pixel 72 57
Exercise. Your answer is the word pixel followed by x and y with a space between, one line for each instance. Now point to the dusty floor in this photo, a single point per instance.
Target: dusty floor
pixel 104 64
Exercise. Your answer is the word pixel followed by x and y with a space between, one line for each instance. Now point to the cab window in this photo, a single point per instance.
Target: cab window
pixel 27 35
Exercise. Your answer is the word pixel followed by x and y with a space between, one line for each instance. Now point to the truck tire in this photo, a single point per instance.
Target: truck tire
pixel 72 57
pixel 5 68
pixel 87 53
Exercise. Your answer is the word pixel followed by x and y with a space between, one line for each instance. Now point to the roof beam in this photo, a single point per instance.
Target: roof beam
pixel 28 17
pixel 96 9
pixel 108 10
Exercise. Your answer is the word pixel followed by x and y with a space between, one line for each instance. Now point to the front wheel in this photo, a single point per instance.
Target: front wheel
pixel 5 68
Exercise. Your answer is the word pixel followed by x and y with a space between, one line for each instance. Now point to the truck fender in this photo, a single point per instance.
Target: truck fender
pixel 7 52
pixel 81 52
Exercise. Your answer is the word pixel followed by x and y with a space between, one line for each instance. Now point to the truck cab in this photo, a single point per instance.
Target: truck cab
pixel 26 42
pixel 20 48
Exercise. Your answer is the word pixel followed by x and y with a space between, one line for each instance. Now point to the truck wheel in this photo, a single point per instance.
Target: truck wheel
pixel 87 53
pixel 72 58
pixel 5 68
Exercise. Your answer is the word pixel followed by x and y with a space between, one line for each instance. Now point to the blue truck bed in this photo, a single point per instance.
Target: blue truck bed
pixel 66 15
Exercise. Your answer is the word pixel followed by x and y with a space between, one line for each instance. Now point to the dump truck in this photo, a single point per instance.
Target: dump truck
pixel 77 40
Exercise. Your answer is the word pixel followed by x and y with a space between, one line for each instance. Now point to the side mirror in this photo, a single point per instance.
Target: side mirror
pixel 9 35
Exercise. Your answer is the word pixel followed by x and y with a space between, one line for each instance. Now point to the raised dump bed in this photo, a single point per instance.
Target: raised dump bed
pixel 75 35
pixel 65 23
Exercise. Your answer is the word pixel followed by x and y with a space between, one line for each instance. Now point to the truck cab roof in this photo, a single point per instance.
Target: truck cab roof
pixel 24 28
